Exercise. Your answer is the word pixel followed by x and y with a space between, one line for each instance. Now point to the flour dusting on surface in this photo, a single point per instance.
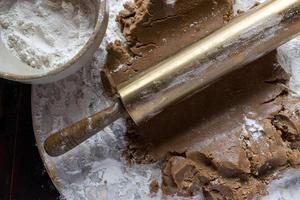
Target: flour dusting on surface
pixel 46 33
pixel 286 187
pixel 244 5
pixel 253 127
pixel 289 58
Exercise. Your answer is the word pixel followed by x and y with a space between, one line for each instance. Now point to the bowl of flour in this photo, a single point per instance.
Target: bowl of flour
pixel 42 41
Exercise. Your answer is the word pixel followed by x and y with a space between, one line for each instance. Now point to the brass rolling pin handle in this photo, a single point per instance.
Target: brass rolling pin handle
pixel 70 137
pixel 244 39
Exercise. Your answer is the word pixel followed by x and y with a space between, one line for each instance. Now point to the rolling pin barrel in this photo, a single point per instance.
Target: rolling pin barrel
pixel 241 41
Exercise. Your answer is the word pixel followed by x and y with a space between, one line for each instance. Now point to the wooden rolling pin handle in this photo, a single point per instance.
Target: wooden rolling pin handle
pixel 66 139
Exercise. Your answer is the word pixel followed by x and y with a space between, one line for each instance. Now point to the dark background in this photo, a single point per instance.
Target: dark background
pixel 22 174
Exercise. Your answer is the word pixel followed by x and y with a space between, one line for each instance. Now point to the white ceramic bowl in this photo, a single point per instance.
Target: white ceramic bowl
pixel 13 69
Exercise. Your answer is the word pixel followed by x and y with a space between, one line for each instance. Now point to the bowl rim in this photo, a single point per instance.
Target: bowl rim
pixel 100 25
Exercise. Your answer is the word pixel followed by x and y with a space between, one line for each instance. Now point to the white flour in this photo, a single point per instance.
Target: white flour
pixel 289 58
pixel 244 5
pixel 253 128
pixel 46 33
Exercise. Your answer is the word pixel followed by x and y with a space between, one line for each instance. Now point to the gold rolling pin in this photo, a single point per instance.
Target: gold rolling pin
pixel 244 39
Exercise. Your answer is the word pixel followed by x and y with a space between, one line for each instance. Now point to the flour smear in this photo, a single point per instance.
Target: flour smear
pixel 46 33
